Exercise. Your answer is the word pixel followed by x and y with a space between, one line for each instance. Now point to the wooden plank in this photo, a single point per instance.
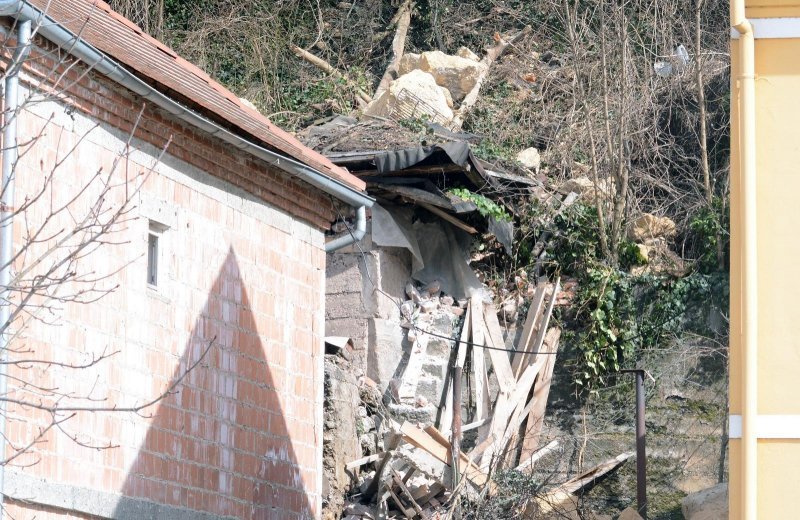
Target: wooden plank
pixel 479 379
pixel 404 490
pixel 365 460
pixel 494 339
pixel 478 450
pixel 376 480
pixel 509 411
pixel 534 310
pixel 460 224
pixel 545 321
pixel 441 439
pixel 423 440
pixel 533 458
pixel 475 424
pixel 562 493
pixel 435 489
pixel 446 417
pixel 408 513
pixel 541 392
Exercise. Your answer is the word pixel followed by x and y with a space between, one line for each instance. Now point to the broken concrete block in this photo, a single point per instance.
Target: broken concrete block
pixel 413 95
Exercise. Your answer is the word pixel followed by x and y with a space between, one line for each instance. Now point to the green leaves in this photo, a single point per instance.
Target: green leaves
pixel 486 207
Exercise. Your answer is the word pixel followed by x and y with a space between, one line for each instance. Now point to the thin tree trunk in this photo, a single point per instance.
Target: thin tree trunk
pixel 701 101
pixel 601 220
pixel 621 188
pixel 403 21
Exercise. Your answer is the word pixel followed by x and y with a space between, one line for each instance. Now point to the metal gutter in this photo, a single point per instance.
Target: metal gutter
pixel 747 156
pixel 51 30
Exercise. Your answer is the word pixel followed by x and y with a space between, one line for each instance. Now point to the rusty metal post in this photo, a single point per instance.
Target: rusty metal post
pixel 455 441
pixel 641 451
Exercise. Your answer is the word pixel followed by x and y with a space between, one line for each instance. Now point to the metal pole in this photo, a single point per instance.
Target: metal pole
pixel 455 441
pixel 641 457
pixel 641 450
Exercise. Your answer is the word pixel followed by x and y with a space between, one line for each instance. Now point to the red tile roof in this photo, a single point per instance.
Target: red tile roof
pixel 122 40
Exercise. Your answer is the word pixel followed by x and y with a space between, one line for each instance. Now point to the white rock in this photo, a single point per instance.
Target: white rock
pixel 530 159
pixel 456 74
pixel 468 54
pixel 423 87
pixel 709 504
pixel 648 227
pixel 408 62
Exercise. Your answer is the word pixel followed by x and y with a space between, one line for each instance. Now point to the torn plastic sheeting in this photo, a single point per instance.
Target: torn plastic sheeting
pixel 391 227
pixel 446 259
pixel 443 255
pixel 504 231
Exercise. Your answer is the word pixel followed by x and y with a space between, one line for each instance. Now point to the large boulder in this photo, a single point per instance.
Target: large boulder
pixel 585 187
pixel 629 514
pixel 468 54
pixel 414 95
pixel 456 74
pixel 408 62
pixel 648 227
pixel 709 504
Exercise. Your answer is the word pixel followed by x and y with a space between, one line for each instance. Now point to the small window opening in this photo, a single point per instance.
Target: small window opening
pixel 152 259
pixel 154 236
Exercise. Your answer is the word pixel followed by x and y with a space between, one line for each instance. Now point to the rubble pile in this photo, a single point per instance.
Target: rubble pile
pixel 458 395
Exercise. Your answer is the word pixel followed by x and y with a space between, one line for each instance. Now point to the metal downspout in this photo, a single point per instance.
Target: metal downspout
pixel 747 150
pixel 10 155
pixel 352 236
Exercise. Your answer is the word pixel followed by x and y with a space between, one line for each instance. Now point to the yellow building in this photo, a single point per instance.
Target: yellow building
pixel 765 253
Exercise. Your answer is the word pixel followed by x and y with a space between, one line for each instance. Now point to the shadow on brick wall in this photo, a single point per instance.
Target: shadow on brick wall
pixel 220 444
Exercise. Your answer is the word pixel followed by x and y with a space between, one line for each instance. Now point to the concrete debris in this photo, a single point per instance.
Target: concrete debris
pixel 709 504
pixel 409 62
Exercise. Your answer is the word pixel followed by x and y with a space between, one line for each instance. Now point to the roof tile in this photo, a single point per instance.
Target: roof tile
pixel 121 39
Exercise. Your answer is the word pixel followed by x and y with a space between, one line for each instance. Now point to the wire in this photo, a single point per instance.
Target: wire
pixel 456 341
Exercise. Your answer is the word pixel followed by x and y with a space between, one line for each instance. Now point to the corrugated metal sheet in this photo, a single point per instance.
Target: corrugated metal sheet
pixel 121 39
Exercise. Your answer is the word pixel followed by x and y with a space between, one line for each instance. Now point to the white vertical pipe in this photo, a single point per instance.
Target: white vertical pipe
pixel 10 155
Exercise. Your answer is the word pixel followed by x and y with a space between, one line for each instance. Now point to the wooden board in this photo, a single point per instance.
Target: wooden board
pixel 498 355
pixel 507 410
pixel 528 329
pixel 528 462
pixel 445 421
pixel 562 493
pixel 541 392
pixel 441 450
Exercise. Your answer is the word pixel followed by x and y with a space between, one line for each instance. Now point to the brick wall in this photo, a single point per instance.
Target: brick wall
pixel 242 270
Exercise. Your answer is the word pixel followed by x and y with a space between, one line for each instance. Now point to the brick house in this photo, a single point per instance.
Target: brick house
pixel 220 263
